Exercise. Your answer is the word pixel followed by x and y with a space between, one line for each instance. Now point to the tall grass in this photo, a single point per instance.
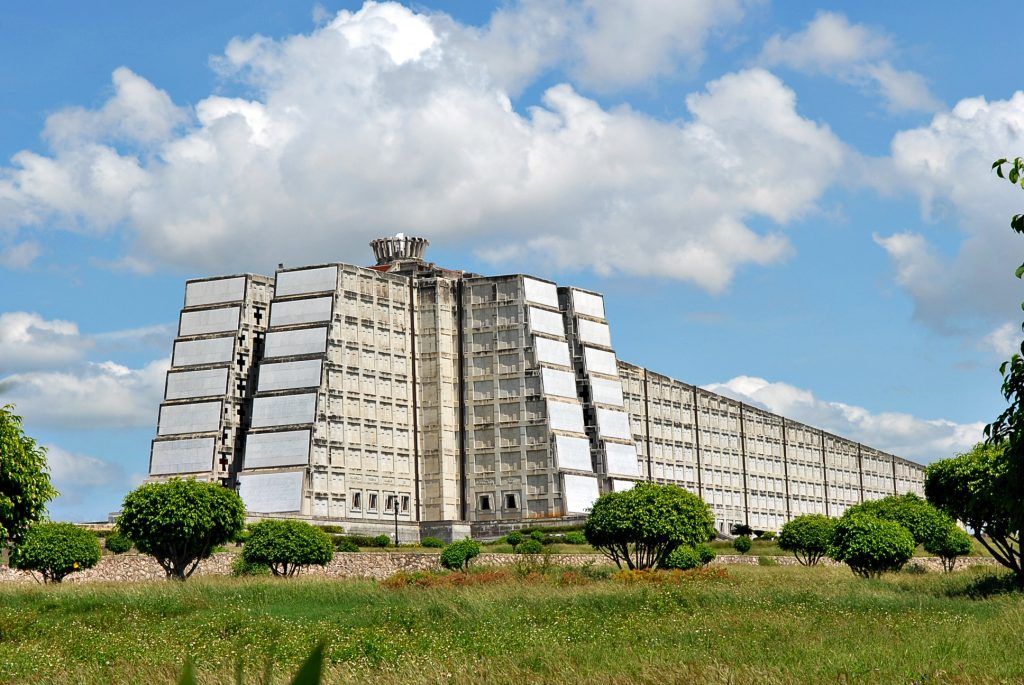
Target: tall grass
pixel 754 625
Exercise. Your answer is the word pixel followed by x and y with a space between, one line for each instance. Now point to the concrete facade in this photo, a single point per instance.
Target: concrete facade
pixel 338 393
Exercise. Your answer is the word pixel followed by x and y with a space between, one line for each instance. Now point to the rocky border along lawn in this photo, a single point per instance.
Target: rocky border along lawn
pixel 136 567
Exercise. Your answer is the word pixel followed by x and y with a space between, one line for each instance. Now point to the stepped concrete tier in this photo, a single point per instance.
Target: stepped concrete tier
pixel 441 402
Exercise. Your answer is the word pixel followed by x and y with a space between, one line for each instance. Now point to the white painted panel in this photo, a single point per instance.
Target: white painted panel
pixel 271 493
pixel 612 423
pixel 622 485
pixel 300 311
pixel 573 453
pixel 566 416
pixel 288 343
pixel 209 351
pixel 285 375
pixel 588 303
pixel 306 281
pixel 201 383
pixel 621 459
pixel 594 332
pixel 543 321
pixel 558 383
pixel 181 456
pixel 600 361
pixel 209 321
pixel 580 493
pixel 197 417
pixel 606 391
pixel 285 448
pixel 540 292
pixel 551 351
pixel 215 292
pixel 283 410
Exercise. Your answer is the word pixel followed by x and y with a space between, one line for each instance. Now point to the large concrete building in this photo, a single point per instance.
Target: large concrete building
pixel 449 401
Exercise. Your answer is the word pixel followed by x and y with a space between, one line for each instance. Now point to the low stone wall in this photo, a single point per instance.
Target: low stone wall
pixel 138 567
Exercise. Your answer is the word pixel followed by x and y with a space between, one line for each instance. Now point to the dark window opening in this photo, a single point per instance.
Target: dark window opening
pixel 405 502
pixel 485 502
pixel 511 500
pixel 357 500
pixel 371 501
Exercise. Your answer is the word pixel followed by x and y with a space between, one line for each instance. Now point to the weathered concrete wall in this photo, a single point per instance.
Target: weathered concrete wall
pixel 136 567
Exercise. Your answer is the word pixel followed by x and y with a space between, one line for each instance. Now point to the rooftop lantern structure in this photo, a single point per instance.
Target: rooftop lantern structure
pixel 398 247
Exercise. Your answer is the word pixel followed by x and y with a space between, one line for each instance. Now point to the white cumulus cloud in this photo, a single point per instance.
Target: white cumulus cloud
pixel 853 53
pixel 27 340
pixel 386 120
pixel 902 434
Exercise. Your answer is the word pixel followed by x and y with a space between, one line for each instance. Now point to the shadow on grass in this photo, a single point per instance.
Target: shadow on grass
pixel 982 585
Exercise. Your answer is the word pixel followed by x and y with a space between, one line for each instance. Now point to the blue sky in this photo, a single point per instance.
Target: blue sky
pixel 786 202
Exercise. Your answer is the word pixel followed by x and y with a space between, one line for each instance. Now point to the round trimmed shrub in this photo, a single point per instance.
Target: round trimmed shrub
pixel 55 550
pixel 117 543
pixel 741 544
pixel 575 538
pixel 343 545
pixel 705 554
pixel 767 536
pixel 530 546
pixel 871 546
pixel 181 522
pixel 925 522
pixel 437 543
pixel 539 536
pixel 683 558
pixel 286 546
pixel 808 537
pixel 515 538
pixel 457 555
pixel 381 540
pixel 955 543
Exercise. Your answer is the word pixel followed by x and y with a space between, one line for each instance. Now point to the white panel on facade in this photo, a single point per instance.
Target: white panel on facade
pixel 565 416
pixel 540 292
pixel 622 485
pixel 214 292
pixel 271 493
pixel 288 343
pixel 209 321
pixel 181 456
pixel 198 417
pixel 612 423
pixel 551 351
pixel 621 459
pixel 543 321
pixel 201 383
pixel 587 303
pixel 300 311
pixel 558 383
pixel 210 351
pixel 600 361
pixel 283 410
pixel 306 281
pixel 286 448
pixel 286 375
pixel 594 332
pixel 606 391
pixel 580 493
pixel 573 453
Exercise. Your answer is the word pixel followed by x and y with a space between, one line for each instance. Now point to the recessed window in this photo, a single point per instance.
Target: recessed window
pixel 485 503
pixel 405 502
pixel 511 500
pixel 371 501
pixel 390 502
pixel 357 500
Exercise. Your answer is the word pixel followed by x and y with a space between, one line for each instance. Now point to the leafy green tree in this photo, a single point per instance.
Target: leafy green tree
pixel 287 546
pixel 55 550
pixel 457 555
pixel 979 488
pixel 530 546
pixel 955 543
pixel 808 537
pixel 870 546
pixel 742 544
pixel 24 478
pixel 683 558
pixel 515 538
pixel 705 554
pixel 181 522
pixel 641 526
pixel 117 542
pixel 925 522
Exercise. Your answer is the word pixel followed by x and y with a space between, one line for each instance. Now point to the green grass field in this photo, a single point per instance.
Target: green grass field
pixel 754 625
